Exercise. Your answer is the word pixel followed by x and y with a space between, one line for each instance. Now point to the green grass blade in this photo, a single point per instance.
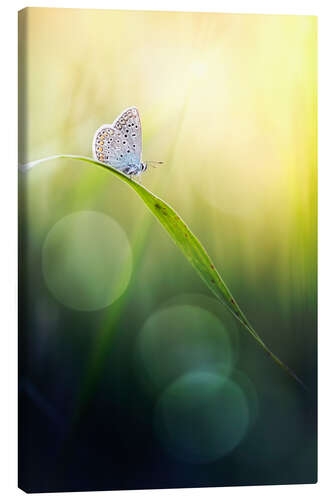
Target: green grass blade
pixel 186 241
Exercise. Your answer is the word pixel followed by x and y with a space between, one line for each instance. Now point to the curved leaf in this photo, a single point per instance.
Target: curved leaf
pixel 186 241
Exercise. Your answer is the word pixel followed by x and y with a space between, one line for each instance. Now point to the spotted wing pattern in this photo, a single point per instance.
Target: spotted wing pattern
pixel 120 144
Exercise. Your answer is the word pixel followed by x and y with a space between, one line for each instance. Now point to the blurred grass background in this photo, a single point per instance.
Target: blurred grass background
pixel 228 102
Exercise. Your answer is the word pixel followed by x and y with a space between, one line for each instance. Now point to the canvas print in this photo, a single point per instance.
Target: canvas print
pixel 167 250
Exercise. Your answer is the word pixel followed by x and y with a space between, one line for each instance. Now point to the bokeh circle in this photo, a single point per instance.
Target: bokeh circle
pixel 178 339
pixel 86 260
pixel 201 417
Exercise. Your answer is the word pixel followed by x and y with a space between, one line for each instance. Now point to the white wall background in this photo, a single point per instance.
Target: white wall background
pixel 8 244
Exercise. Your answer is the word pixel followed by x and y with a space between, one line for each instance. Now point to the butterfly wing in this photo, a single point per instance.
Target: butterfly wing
pixel 120 144
pixel 105 146
pixel 128 124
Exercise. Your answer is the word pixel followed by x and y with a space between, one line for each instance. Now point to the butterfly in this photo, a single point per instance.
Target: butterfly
pixel 120 144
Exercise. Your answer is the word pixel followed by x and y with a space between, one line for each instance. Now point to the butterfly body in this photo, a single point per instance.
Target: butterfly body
pixel 120 144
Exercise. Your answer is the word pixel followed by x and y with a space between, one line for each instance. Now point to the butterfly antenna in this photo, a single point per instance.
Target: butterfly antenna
pixel 154 164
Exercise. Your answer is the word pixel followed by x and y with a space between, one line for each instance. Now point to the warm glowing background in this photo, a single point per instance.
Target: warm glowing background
pixel 229 103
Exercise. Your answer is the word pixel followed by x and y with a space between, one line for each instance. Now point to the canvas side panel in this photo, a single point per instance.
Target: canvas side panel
pixel 23 417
